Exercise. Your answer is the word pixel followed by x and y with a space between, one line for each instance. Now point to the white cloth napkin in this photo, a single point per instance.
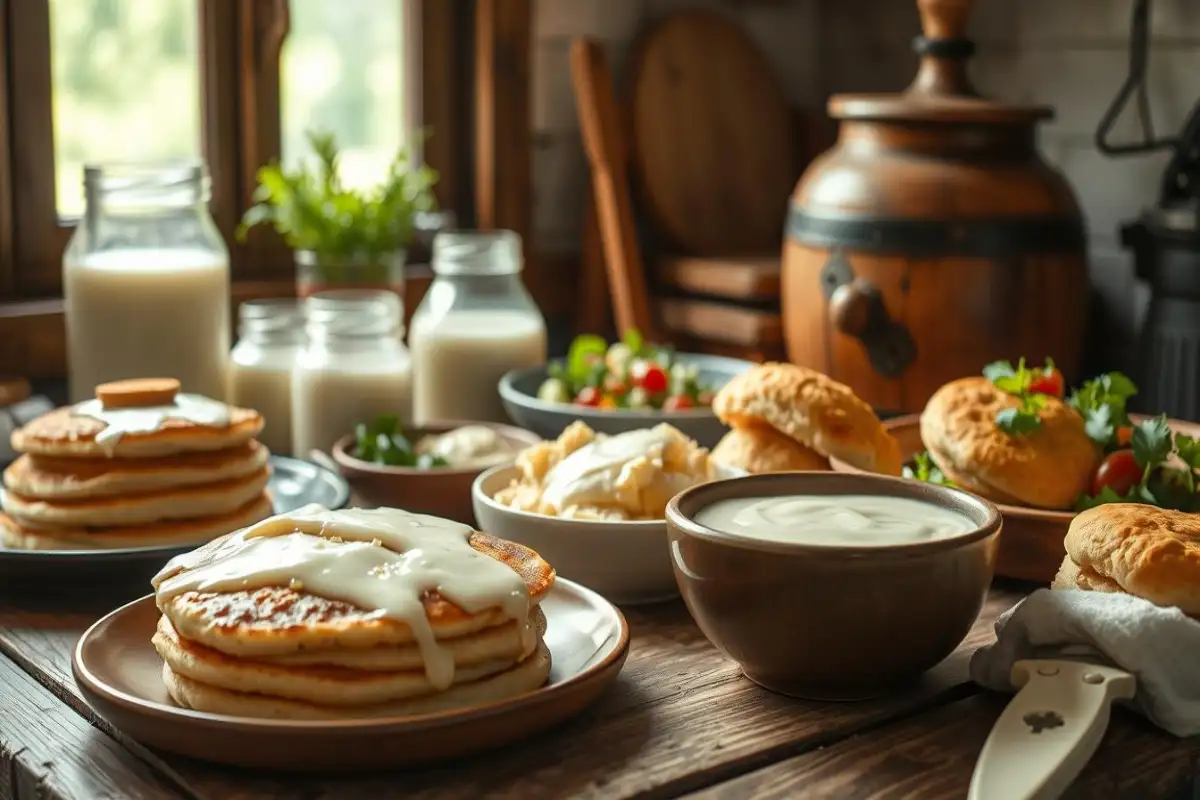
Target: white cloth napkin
pixel 1159 646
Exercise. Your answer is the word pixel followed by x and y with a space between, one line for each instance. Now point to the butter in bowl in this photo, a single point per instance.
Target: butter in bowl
pixel 832 586
pixel 427 469
pixel 595 504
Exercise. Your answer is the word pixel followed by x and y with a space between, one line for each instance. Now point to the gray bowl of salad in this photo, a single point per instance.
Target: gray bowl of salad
pixel 622 386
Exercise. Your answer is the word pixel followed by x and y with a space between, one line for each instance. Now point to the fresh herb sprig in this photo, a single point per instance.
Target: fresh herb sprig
pixel 923 469
pixel 1017 381
pixel 1102 404
pixel 384 442
pixel 312 210
pixel 1163 483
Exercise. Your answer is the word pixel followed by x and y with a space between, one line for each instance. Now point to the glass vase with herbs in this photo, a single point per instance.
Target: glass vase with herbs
pixel 343 237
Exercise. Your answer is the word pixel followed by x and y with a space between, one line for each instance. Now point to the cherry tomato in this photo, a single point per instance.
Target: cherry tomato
pixel 588 396
pixel 649 376
pixel 680 402
pixel 1047 381
pixel 1119 471
pixel 1124 436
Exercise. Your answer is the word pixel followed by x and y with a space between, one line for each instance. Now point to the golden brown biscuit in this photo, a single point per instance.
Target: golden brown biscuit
pixel 1046 468
pixel 813 409
pixel 760 448
pixel 1147 551
pixel 1071 576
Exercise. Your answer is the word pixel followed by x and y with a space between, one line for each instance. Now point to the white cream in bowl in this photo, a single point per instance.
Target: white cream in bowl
pixel 835 520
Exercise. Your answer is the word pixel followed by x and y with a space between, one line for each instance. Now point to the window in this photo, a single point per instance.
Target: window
pixel 342 71
pixel 115 66
pixel 238 83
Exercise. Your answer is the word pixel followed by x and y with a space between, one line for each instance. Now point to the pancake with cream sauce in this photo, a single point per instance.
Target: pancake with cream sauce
pixel 190 423
pixel 50 478
pixel 314 609
pixel 158 534
pixel 171 504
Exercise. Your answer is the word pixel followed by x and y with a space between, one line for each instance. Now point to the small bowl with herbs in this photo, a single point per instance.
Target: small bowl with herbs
pixel 1042 453
pixel 622 386
pixel 426 469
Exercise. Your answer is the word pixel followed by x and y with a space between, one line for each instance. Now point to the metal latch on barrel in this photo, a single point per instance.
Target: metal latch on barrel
pixel 857 308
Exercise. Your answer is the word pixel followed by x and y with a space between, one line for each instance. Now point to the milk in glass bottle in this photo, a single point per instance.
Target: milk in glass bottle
pixel 146 281
pixel 475 323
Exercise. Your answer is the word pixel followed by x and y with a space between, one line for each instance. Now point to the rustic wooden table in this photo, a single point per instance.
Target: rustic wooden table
pixel 681 722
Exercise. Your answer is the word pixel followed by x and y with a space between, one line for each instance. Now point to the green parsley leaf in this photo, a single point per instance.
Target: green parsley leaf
pixel 998 369
pixel 923 469
pixel 1168 487
pixel 1015 421
pixel 1188 449
pixel 1151 442
pixel 1107 495
pixel 1098 422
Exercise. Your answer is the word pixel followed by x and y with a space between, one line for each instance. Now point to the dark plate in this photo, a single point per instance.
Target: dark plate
pixel 293 483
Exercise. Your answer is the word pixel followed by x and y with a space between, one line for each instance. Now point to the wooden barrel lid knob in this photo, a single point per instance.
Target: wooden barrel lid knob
pixel 850 307
pixel 138 393
pixel 944 49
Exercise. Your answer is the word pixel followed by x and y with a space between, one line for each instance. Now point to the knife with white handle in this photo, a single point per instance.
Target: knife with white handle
pixel 1049 730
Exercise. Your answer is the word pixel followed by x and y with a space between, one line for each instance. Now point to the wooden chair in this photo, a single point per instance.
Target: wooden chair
pixel 727 306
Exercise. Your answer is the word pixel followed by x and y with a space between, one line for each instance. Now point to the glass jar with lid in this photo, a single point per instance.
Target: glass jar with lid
pixel 146 280
pixel 270 338
pixel 476 322
pixel 353 369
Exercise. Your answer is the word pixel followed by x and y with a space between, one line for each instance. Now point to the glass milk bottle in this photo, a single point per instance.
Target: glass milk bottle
pixel 353 369
pixel 270 338
pixel 146 281
pixel 476 323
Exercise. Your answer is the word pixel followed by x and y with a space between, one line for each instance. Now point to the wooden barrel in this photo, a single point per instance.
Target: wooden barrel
pixel 932 238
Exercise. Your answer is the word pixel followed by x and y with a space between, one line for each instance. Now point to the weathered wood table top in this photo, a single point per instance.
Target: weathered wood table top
pixel 681 722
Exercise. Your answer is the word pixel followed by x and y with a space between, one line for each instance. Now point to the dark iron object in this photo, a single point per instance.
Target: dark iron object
pixel 889 344
pixel 934 238
pixel 1165 242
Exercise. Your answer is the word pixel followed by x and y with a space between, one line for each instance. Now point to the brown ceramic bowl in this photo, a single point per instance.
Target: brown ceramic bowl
pixel 831 622
pixel 440 492
pixel 1032 546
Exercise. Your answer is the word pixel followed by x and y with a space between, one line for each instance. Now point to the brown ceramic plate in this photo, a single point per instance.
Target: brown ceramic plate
pixel 1031 547
pixel 120 675
pixel 442 492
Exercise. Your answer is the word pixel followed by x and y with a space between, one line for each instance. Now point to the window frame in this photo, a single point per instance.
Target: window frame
pixel 475 58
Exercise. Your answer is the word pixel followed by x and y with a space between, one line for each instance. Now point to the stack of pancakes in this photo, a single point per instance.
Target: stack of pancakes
pixel 787 418
pixel 1142 550
pixel 282 652
pixel 1046 468
pixel 183 482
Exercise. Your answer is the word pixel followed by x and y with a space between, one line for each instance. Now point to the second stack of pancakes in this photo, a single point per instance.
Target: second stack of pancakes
pixel 142 465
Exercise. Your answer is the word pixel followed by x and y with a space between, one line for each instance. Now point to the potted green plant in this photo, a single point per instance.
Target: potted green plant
pixel 342 237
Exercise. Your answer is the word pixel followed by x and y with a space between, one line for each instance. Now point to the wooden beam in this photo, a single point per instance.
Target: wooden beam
pixel 7 266
pixel 503 136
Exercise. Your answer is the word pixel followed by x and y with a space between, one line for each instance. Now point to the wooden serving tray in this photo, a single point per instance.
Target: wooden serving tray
pixel 1031 544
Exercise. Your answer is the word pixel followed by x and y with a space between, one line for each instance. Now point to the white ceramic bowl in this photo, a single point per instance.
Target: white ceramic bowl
pixel 627 562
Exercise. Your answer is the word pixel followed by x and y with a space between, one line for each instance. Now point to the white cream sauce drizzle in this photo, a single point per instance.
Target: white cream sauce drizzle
pixel 120 421
pixel 381 560
pixel 594 473
pixel 854 520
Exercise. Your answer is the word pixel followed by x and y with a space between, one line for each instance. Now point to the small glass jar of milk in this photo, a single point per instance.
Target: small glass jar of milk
pixel 475 323
pixel 270 338
pixel 146 280
pixel 353 369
